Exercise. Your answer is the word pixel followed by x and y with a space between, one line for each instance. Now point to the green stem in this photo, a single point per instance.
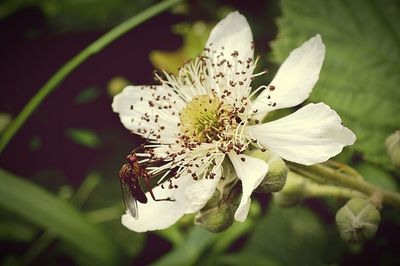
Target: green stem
pixel 313 190
pixel 63 72
pixel 337 177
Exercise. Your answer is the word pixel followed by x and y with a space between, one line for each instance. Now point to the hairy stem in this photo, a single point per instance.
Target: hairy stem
pixel 313 190
pixel 72 64
pixel 342 178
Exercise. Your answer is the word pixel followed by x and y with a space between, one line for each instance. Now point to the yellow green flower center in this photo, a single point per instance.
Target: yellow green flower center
pixel 203 119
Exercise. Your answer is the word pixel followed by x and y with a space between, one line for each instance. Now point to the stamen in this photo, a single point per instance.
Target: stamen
pixel 209 99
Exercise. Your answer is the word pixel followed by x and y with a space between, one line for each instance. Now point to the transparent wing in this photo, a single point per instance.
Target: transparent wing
pixel 129 200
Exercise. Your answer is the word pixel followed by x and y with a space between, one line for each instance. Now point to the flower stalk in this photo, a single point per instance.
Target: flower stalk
pixel 322 173
pixel 313 190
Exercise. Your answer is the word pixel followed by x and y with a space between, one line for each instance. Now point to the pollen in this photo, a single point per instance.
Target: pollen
pixel 202 118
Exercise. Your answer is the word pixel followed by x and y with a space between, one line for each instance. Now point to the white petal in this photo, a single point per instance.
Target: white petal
pixel 311 135
pixel 156 215
pixel 200 192
pixel 295 78
pixel 139 111
pixel 190 196
pixel 234 34
pixel 251 172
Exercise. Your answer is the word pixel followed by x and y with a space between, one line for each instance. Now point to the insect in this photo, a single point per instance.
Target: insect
pixel 132 192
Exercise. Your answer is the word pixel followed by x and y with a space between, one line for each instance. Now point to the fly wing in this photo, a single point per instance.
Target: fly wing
pixel 129 200
pixel 138 193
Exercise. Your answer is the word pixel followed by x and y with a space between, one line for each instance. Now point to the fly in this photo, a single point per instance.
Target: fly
pixel 132 192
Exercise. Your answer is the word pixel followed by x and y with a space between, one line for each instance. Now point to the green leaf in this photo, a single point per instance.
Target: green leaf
pixel 172 234
pixel 129 242
pixel 293 236
pixel 13 229
pixel 87 95
pixel 84 137
pixel 50 212
pixel 360 75
pixel 106 207
pixel 246 259
pixel 189 251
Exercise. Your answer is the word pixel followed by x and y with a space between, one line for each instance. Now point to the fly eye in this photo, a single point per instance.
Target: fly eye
pixel 131 158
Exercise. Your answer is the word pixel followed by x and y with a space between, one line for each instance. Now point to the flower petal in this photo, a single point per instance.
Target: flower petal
pixel 295 78
pixel 200 192
pixel 145 109
pixel 190 196
pixel 311 135
pixel 251 171
pixel 157 215
pixel 232 34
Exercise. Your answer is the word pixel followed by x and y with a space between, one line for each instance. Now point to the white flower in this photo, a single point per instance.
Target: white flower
pixel 193 120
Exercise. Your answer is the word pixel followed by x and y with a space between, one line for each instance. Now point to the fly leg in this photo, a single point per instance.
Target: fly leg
pixel 147 183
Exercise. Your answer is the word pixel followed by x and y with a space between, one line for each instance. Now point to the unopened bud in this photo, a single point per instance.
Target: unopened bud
pixel 116 85
pixel 213 201
pixel 392 144
pixel 277 171
pixel 358 220
pixel 216 219
pixel 218 214
pixel 293 192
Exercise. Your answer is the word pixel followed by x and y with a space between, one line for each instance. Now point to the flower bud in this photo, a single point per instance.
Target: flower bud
pixel 277 171
pixel 213 201
pixel 218 214
pixel 293 192
pixel 392 144
pixel 358 220
pixel 116 85
pixel 216 219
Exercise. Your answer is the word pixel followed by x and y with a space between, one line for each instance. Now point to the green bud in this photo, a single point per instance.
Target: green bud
pixel 275 179
pixel 392 144
pixel 293 192
pixel 218 214
pixel 358 220
pixel 213 201
pixel 216 219
pixel 116 85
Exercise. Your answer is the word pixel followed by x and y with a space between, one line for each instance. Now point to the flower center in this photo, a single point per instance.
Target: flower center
pixel 203 119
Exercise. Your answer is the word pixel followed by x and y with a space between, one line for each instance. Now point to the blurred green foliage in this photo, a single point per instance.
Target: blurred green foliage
pixel 87 95
pixel 48 211
pixel 84 137
pixel 194 38
pixel 359 78
pixel 376 175
pixel 79 15
pixel 292 236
